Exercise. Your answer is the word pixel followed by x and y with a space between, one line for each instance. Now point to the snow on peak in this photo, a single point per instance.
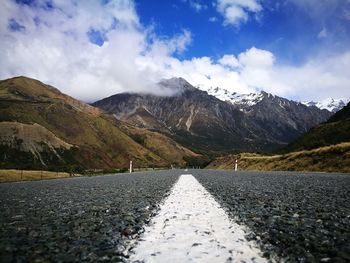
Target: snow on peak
pixel 233 97
pixel 330 104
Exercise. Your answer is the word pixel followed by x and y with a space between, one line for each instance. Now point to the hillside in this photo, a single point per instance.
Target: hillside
pixel 43 128
pixel 335 130
pixel 325 148
pixel 207 124
pixel 164 146
pixel 334 158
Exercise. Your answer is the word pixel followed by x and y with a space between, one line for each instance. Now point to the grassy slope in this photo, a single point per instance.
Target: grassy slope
pixel 19 175
pixel 334 158
pixel 100 143
pixel 335 130
pixel 161 145
pixel 324 148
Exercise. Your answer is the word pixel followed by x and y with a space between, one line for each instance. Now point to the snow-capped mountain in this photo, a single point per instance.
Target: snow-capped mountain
pixel 248 100
pixel 235 98
pixel 258 122
pixel 330 104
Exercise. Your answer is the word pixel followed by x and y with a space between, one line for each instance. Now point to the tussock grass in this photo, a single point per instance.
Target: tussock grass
pixel 25 175
pixel 333 158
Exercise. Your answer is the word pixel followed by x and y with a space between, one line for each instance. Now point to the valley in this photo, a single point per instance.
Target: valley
pixel 204 131
pixel 42 128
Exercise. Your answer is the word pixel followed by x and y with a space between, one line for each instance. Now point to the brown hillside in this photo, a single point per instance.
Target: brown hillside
pixel 99 143
pixel 334 158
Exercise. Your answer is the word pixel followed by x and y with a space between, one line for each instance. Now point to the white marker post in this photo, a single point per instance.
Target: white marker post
pixel 130 169
pixel 236 165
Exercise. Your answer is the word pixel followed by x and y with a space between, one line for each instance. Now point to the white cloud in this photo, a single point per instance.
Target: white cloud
pixel 236 12
pixel 257 58
pixel 256 69
pixel 56 49
pixel 198 6
pixel 230 61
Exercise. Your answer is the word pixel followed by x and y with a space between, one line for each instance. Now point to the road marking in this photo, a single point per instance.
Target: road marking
pixel 192 227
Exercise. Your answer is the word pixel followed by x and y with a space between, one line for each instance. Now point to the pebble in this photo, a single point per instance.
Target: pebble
pixel 298 217
pixel 91 219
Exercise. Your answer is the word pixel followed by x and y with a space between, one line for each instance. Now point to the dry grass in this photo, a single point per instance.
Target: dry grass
pixel 25 175
pixel 334 158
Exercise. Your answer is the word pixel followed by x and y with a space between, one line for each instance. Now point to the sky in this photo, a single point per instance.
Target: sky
pixel 91 49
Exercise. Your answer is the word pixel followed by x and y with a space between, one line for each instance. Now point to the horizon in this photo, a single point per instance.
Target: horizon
pixel 254 46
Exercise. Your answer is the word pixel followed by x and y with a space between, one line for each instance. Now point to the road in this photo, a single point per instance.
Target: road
pixel 292 216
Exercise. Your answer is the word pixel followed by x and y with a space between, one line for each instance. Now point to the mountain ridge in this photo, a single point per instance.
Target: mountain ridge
pixel 97 139
pixel 247 100
pixel 204 123
pixel 334 131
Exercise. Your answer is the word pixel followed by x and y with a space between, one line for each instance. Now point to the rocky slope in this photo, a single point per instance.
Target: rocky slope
pixel 325 148
pixel 335 130
pixel 42 128
pixel 203 122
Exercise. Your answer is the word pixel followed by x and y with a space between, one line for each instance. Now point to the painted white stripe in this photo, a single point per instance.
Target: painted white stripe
pixel 192 227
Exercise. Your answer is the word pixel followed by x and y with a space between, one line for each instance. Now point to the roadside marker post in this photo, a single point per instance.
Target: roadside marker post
pixel 130 169
pixel 236 165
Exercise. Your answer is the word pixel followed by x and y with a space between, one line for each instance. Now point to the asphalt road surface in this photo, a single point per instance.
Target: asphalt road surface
pixel 289 216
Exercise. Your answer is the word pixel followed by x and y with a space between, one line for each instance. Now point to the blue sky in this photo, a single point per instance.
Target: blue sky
pixel 286 28
pixel 299 49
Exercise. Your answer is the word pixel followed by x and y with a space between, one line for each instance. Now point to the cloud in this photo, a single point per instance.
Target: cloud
pixel 56 45
pixel 255 69
pixel 213 19
pixel 229 61
pixel 236 12
pixel 323 33
pixel 257 58
pixel 331 14
pixel 196 5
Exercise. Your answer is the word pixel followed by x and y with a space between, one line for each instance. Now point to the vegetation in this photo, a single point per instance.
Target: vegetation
pixel 334 158
pixel 162 145
pixel 325 148
pixel 336 130
pixel 200 161
pixel 97 140
pixel 27 175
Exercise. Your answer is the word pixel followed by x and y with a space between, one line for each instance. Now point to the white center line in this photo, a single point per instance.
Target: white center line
pixel 192 227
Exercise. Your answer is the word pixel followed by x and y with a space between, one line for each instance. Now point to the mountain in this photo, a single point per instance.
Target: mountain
pixel 204 123
pixel 325 148
pixel 330 104
pixel 40 127
pixel 247 100
pixel 241 100
pixel 334 131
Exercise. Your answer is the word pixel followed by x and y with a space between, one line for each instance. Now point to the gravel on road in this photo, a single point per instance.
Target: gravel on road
pixel 294 217
pixel 91 219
